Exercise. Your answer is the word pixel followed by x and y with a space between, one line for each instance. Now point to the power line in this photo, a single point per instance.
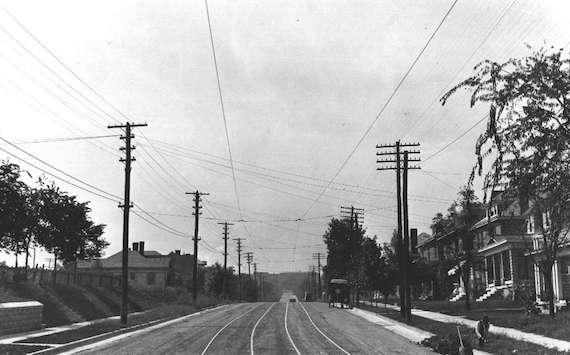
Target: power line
pixel 114 198
pixel 73 73
pixel 61 139
pixel 383 108
pixel 222 103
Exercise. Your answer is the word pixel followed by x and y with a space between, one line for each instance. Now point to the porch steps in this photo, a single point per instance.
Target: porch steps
pixel 490 292
pixel 457 297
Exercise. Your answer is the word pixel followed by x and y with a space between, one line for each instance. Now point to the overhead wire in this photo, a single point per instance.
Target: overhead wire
pixel 383 107
pixel 224 113
pixel 66 67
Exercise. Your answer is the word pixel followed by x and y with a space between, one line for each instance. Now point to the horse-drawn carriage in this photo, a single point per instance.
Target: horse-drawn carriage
pixel 339 293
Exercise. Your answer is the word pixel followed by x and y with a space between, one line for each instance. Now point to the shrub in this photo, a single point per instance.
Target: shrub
pixel 525 295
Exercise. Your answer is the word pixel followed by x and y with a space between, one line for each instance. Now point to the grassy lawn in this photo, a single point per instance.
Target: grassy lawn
pixel 501 313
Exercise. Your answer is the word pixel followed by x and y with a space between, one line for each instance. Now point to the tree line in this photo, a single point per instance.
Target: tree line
pixel 47 217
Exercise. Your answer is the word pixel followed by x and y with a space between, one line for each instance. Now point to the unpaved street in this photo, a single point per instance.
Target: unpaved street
pixel 266 328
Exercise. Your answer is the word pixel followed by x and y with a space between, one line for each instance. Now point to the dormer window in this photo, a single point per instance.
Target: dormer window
pixel 493 211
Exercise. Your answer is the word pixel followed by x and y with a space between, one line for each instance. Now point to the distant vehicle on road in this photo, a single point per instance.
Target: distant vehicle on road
pixel 339 293
pixel 288 297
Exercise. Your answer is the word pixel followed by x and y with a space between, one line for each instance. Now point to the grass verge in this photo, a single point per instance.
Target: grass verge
pixel 446 340
pixel 506 314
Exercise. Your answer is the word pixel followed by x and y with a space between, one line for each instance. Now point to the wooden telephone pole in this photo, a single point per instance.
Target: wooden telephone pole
pixel 126 208
pixel 403 243
pixel 196 214
pixel 226 224
pixel 239 266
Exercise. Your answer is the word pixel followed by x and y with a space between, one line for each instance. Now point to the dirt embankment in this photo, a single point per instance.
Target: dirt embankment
pixel 66 304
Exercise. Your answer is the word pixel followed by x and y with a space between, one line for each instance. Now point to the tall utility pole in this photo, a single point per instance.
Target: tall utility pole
pixel 318 256
pixel 196 214
pixel 126 208
pixel 313 286
pixel 255 281
pixel 403 239
pixel 353 214
pixel 239 266
pixel 226 224
pixel 249 257
pixel 407 268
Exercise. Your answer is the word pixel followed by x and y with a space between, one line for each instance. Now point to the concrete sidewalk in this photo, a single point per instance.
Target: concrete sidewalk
pixel 509 332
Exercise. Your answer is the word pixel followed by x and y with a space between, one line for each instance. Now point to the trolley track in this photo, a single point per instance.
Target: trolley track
pixel 263 328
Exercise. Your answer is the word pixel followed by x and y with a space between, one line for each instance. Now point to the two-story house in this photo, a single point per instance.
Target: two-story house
pixel 502 239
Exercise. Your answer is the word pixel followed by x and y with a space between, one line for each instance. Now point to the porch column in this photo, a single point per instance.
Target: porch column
pixel 537 282
pixel 502 269
pixel 486 273
pixel 556 280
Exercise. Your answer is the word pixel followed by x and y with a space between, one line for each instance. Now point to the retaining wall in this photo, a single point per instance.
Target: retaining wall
pixel 19 317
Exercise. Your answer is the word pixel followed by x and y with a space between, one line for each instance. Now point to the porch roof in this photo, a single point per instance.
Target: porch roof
pixel 502 242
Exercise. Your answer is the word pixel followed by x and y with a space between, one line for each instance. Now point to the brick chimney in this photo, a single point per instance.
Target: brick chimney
pixel 135 246
pixel 177 252
pixel 141 248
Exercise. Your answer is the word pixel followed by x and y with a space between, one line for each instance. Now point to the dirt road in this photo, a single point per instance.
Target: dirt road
pixel 265 328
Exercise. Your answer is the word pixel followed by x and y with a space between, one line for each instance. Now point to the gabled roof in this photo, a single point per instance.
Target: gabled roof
pixel 488 220
pixel 152 253
pixel 136 260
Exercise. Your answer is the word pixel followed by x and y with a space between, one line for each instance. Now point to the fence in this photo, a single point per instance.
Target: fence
pixel 62 277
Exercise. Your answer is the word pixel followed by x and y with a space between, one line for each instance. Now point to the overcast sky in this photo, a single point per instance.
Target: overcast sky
pixel 309 88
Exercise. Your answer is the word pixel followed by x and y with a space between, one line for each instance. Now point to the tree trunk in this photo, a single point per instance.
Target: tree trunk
pixel 467 281
pixel 27 257
pixel 54 267
pixel 549 290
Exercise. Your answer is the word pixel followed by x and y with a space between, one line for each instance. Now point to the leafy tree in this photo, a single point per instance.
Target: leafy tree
pixel 65 228
pixel 528 140
pixel 17 222
pixel 214 281
pixel 343 240
pixel 370 264
pixel 463 214
pixel 389 269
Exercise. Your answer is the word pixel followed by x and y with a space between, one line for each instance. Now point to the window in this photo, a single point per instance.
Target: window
pixel 563 262
pixel 506 265
pixel 546 220
pixel 530 224
pixel 498 230
pixel 150 278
